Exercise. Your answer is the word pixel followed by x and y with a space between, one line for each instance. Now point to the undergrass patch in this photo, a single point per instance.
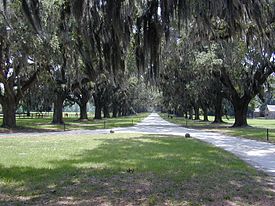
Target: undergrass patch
pixel 65 169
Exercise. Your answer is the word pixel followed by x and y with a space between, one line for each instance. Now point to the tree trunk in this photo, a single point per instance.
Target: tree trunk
pixel 218 110
pixel 119 111
pixel 180 112
pixel 197 112
pixel 83 111
pixel 205 114
pixel 9 113
pixel 115 110
pixel 98 112
pixel 124 111
pixel 106 112
pixel 58 111
pixel 98 108
pixel 186 114
pixel 190 114
pixel 240 109
pixel 98 104
pixel 28 112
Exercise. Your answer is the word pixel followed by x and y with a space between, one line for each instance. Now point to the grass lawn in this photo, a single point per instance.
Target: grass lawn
pixel 71 123
pixel 92 170
pixel 256 130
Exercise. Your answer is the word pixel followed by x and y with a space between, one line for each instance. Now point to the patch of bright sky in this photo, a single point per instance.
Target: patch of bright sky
pixel 272 59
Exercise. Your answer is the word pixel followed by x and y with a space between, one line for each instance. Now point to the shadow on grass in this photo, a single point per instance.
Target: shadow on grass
pixel 34 125
pixel 166 170
pixel 27 130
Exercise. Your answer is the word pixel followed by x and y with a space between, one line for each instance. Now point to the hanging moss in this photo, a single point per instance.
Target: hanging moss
pixel 105 27
pixel 31 9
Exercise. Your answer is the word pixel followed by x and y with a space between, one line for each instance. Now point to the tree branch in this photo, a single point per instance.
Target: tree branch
pixel 231 92
pixel 27 85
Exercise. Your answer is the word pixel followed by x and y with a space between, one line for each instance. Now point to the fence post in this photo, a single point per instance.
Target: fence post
pixel 104 124
pixel 267 135
pixel 132 122
pixel 64 126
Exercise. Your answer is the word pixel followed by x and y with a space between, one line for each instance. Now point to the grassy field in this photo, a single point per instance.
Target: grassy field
pixel 71 123
pixel 257 129
pixel 92 170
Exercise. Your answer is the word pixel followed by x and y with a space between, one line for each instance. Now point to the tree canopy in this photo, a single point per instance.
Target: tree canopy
pixel 87 45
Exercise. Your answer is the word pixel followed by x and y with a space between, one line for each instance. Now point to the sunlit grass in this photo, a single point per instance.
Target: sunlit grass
pixel 36 170
pixel 257 130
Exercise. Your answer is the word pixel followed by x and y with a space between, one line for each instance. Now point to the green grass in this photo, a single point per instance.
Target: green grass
pixel 92 170
pixel 256 130
pixel 72 123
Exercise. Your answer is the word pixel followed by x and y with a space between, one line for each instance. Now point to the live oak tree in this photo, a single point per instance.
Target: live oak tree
pixel 101 95
pixel 64 59
pixel 81 91
pixel 211 93
pixel 64 81
pixel 236 72
pixel 243 74
pixel 20 62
